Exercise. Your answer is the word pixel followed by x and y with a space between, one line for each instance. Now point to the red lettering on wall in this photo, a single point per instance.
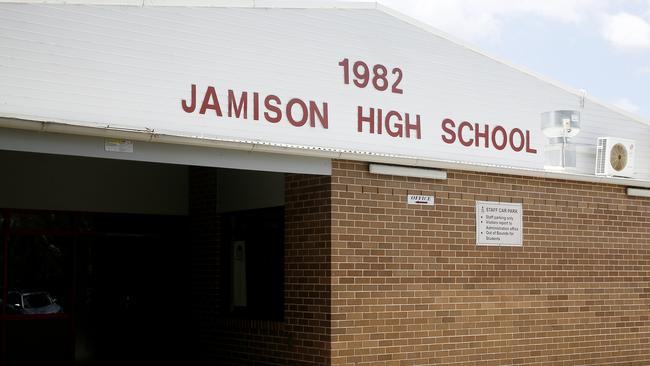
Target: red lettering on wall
pixel 192 106
pixel 303 112
pixel 397 132
pixel 413 126
pixel 256 106
pixel 361 119
pixel 462 140
pixel 504 138
pixel 272 108
pixel 232 104
pixel 395 123
pixel 485 135
pixel 323 115
pixel 210 101
pixel 498 137
pixel 528 148
pixel 447 127
pixel 520 146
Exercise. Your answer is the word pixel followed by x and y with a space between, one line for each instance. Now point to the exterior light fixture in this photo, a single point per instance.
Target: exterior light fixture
pixel 407 171
pixel 560 127
pixel 638 192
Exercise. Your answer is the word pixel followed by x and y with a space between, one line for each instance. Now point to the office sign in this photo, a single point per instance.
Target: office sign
pixel 416 199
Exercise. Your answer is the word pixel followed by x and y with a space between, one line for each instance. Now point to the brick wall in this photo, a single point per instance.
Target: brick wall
pixel 204 226
pixel 410 287
pixel 302 338
pixel 308 268
pixel 370 280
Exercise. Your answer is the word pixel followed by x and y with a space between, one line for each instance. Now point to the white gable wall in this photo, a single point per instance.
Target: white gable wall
pixel 130 67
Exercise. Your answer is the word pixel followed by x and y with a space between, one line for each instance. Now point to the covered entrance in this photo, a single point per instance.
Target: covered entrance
pixel 111 261
pixel 93 288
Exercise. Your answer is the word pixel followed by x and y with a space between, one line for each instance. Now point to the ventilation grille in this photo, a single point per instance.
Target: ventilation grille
pixel 600 155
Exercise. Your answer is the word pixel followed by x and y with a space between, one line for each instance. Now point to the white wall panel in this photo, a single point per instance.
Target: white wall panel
pixel 132 66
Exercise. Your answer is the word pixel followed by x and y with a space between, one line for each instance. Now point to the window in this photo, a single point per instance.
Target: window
pixel 253 244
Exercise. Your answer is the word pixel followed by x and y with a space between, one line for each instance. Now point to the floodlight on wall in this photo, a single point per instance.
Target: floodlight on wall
pixel 638 192
pixel 564 123
pixel 560 127
pixel 405 171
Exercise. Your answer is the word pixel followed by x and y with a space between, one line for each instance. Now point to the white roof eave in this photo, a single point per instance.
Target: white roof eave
pixel 277 4
pixel 112 131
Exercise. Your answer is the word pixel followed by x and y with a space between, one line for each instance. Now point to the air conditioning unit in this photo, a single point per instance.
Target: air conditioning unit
pixel 615 157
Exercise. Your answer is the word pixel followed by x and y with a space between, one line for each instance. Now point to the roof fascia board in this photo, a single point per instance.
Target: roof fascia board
pixel 76 2
pixel 278 4
pixel 320 4
pixel 66 127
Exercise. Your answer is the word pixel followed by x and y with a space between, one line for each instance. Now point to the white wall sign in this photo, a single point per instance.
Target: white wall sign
pixel 499 223
pixel 414 199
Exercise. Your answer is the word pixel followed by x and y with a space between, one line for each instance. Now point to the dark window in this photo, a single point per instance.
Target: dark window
pixel 253 244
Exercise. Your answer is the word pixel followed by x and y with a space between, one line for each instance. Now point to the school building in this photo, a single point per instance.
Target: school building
pixel 307 183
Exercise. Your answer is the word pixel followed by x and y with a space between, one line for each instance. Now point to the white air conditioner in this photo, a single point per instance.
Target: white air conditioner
pixel 615 157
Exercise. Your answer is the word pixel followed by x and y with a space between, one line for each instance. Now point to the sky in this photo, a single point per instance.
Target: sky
pixel 601 46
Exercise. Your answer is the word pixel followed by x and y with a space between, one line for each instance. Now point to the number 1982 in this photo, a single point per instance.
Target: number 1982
pixel 362 75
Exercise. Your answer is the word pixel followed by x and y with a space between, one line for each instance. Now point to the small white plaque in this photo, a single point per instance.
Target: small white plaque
pixel 499 223
pixel 118 145
pixel 414 199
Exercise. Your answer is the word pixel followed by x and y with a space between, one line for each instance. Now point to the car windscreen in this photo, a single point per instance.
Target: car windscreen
pixel 36 300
